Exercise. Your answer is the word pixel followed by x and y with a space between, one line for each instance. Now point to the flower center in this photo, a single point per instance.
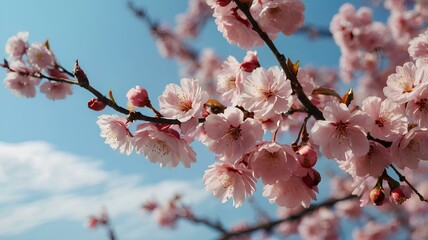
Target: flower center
pixel 234 133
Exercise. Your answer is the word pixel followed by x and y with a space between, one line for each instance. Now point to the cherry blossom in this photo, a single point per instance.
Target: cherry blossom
pixel 275 16
pixel 272 162
pixel 412 147
pixel 320 225
pixel 116 133
pixel 183 102
pixel 266 92
pixel 164 145
pixel 229 135
pixel 290 193
pixel 417 108
pixel 235 27
pixel 21 85
pixel 39 56
pixel 388 117
pixel 55 90
pixel 402 84
pixel 373 163
pixel 226 181
pixel 343 132
pixel 16 46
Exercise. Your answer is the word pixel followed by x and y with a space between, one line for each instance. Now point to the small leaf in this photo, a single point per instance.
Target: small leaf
pixel 110 94
pixel 348 97
pixel 326 92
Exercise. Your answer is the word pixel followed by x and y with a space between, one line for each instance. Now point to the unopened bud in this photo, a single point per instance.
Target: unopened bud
pixel 307 156
pixel 312 179
pixel 80 75
pixel 92 222
pixel 96 104
pixel 150 206
pixel 377 196
pixel 400 194
pixel 138 96
pixel 223 3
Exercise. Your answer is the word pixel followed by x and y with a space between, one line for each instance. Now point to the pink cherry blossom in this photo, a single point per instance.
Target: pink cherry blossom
pixel 235 27
pixel 417 108
pixel 116 133
pixel 402 84
pixel 21 85
pixel 374 230
pixel 275 16
pixel 228 84
pixel 320 225
pixel 39 56
pixel 138 96
pixel 343 132
pixel 183 102
pixel 166 216
pixel 272 162
pixel 388 118
pixel 230 135
pixel 164 145
pixel 16 46
pixel 266 92
pixel 56 90
pixel 226 181
pixel 408 150
pixel 418 46
pixel 373 163
pixel 290 193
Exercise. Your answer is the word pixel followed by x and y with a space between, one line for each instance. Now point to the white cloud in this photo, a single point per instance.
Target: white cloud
pixel 40 185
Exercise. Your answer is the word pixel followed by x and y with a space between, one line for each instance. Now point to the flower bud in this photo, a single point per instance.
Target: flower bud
pixel 138 96
pixel 150 206
pixel 400 194
pixel 307 156
pixel 377 196
pixel 92 222
pixel 312 178
pixel 96 104
pixel 223 3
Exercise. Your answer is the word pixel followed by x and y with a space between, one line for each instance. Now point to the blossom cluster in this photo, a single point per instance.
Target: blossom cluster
pixel 240 116
pixel 27 62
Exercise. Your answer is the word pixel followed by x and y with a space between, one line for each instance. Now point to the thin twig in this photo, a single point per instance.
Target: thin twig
pixel 295 85
pixel 402 178
pixel 269 225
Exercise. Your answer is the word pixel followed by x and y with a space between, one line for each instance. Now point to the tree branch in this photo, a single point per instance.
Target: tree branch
pixel 269 225
pixel 295 85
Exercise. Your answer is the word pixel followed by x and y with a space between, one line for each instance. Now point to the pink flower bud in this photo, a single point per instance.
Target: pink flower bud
pixel 377 196
pixel 249 66
pixel 400 194
pixel 312 178
pixel 96 104
pixel 223 3
pixel 150 206
pixel 307 156
pixel 138 96
pixel 92 222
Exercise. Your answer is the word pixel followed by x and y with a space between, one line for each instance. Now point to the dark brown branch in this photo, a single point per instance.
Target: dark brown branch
pixel 132 116
pixel 295 85
pixel 269 225
pixel 217 226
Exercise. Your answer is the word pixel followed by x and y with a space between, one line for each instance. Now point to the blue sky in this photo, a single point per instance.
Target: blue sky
pixel 55 169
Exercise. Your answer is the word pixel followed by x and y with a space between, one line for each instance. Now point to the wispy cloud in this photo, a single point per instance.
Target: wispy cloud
pixel 40 184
